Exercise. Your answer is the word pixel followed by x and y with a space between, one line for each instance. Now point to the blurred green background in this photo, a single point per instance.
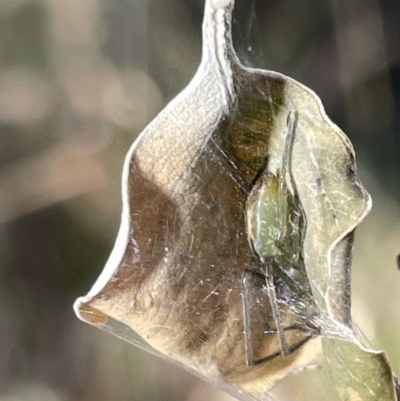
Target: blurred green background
pixel 79 80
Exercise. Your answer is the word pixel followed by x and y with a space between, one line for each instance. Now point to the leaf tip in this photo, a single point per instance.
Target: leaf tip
pixel 88 314
pixel 218 4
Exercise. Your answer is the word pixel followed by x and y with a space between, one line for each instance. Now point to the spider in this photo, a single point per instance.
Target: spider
pixel 276 228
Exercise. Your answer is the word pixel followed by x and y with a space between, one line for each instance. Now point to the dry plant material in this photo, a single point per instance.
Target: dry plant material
pixel 233 257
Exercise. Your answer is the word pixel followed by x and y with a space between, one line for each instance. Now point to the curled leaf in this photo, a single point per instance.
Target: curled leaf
pixel 239 204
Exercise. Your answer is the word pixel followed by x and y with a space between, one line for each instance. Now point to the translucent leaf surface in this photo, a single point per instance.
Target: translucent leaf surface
pixel 358 373
pixel 233 256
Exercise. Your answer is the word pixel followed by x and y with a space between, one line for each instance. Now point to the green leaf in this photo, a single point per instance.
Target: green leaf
pixel 358 373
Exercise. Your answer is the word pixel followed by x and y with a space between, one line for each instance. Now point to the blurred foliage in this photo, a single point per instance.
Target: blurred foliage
pixel 78 82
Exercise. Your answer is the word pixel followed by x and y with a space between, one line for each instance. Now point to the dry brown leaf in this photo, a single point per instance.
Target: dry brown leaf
pixel 197 186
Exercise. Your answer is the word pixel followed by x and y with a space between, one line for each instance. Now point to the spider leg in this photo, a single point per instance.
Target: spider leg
pixel 285 168
pixel 269 280
pixel 249 295
pixel 246 294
